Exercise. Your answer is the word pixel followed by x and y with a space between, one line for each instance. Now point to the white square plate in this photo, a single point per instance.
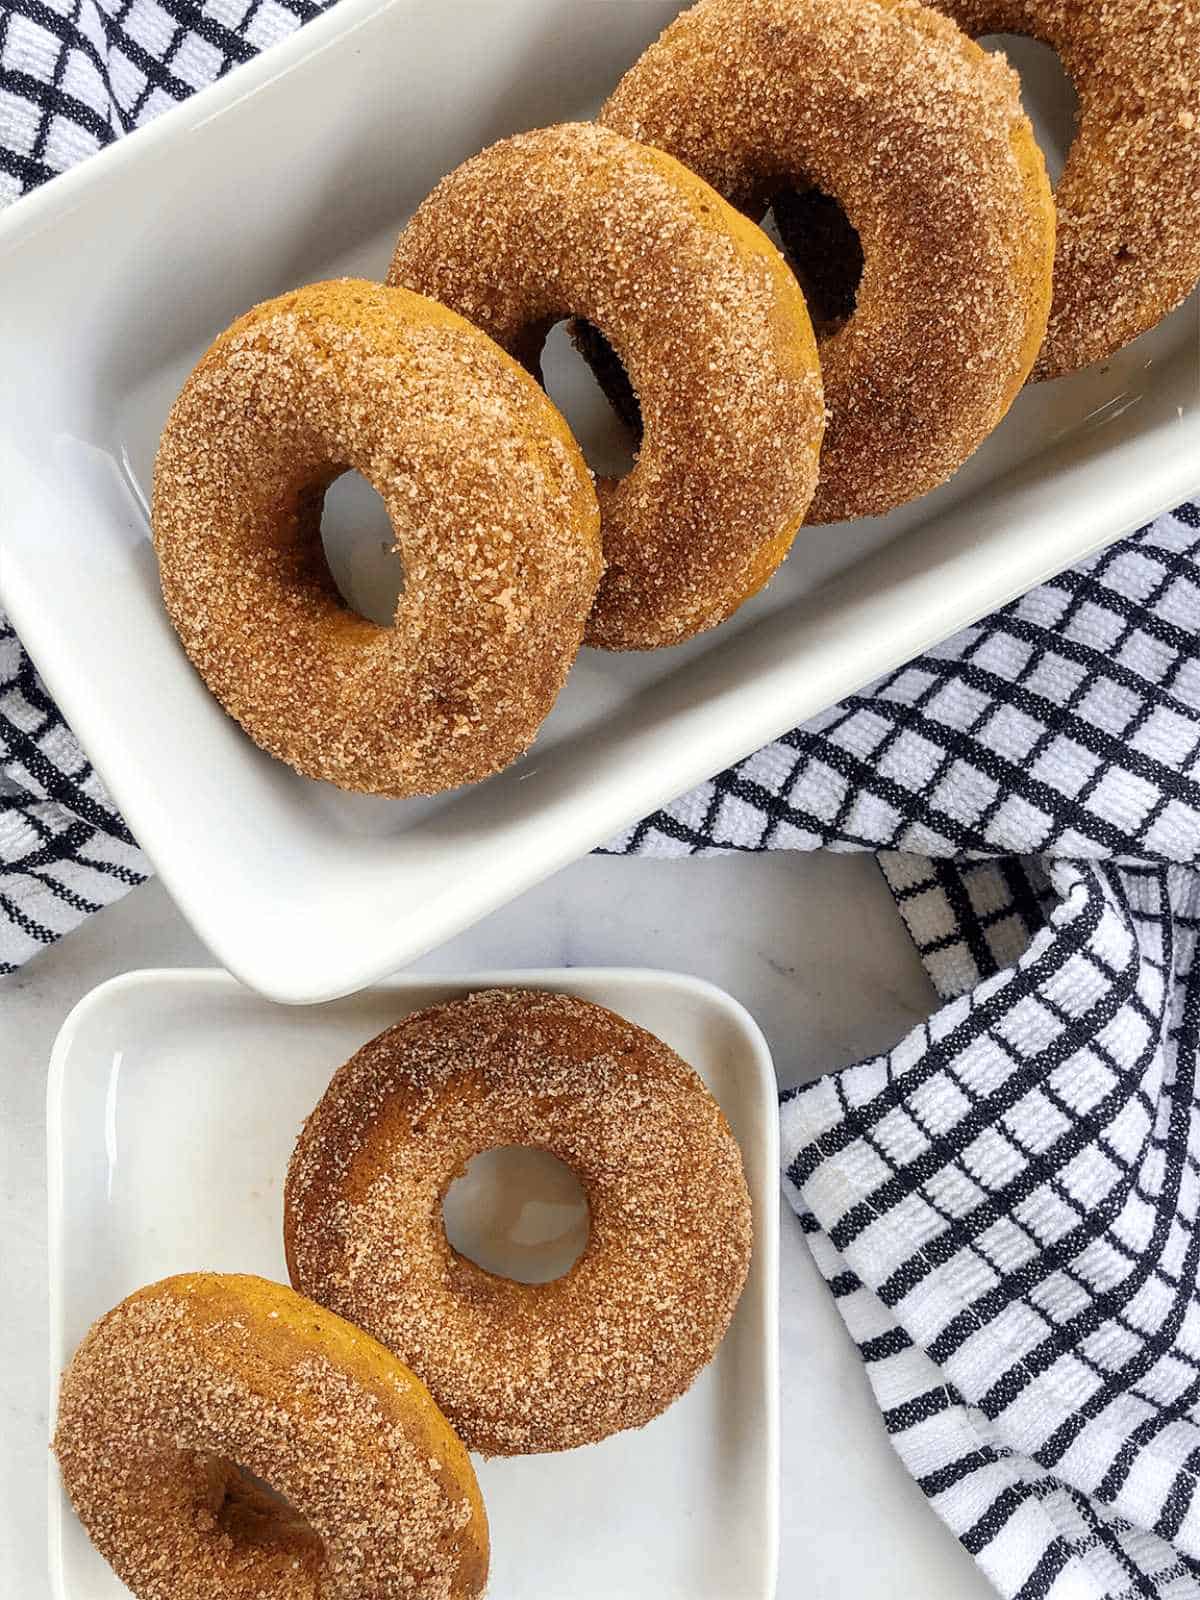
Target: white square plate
pixel 304 164
pixel 174 1101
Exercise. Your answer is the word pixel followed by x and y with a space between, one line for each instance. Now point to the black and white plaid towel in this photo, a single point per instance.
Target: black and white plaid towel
pixel 1005 1206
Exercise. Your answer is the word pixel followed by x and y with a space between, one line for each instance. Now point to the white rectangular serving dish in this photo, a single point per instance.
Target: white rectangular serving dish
pixel 302 165
pixel 174 1101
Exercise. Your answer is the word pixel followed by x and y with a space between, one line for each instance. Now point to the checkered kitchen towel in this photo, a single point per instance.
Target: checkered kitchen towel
pixel 1005 1206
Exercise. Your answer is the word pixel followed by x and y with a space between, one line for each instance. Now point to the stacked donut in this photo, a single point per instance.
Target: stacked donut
pixel 919 235
pixel 220 1435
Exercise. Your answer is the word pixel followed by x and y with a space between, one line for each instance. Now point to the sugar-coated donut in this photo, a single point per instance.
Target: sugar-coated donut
pixel 714 335
pixel 887 108
pixel 495 518
pixel 1129 196
pixel 521 1367
pixel 192 1389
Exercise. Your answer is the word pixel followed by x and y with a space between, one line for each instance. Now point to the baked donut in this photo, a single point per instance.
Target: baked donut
pixel 714 335
pixel 887 108
pixel 192 1389
pixel 495 519
pixel 1129 196
pixel 525 1367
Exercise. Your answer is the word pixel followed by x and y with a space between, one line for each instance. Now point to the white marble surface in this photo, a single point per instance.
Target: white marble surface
pixel 811 945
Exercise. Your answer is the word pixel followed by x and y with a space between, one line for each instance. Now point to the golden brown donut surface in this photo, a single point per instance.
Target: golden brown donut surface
pixel 919 135
pixel 713 333
pixel 521 1367
pixel 193 1388
pixel 1129 196
pixel 493 510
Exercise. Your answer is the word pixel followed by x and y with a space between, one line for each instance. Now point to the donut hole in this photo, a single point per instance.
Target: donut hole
pixel 823 249
pixel 256 1516
pixel 360 548
pixel 1049 96
pixel 518 1213
pixel 586 379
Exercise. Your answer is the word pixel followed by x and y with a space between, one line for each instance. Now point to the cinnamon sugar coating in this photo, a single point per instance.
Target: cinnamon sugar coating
pixel 1129 196
pixel 517 1367
pixel 919 134
pixel 493 510
pixel 193 1388
pixel 713 333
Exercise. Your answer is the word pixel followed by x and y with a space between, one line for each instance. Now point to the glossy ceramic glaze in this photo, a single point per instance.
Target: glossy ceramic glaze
pixel 174 1102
